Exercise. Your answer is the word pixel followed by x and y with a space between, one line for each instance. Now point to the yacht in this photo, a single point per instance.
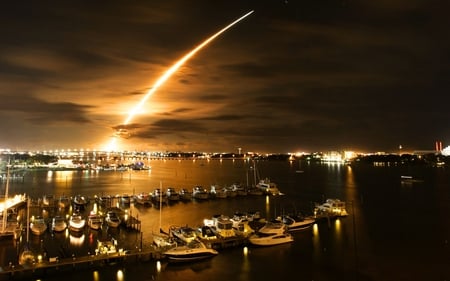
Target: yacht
pixel 268 187
pixel 272 233
pixel 159 197
pixel 185 234
pixel 331 207
pixel 217 192
pixel 296 222
pixel 193 251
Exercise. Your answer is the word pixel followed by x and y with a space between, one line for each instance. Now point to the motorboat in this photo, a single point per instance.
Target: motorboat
pixel 159 197
pixel 185 234
pixel 79 202
pixel 143 198
pixel 38 226
pixel 172 194
pixel 272 233
pixel 297 222
pixel 95 221
pixel 331 207
pixel 185 194
pixel 48 200
pixel 199 192
pixel 59 224
pixel 113 219
pixel 268 187
pixel 77 222
pixel 239 189
pixel 217 192
pixel 191 252
pixel 259 239
pixel 221 225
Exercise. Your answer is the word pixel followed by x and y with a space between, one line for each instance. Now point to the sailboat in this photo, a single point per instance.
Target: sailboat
pixel 27 256
pixel 162 239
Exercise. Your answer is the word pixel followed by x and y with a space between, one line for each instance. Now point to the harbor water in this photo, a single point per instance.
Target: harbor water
pixel 395 230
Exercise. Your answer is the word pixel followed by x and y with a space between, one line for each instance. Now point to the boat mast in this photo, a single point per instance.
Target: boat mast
pixel 5 207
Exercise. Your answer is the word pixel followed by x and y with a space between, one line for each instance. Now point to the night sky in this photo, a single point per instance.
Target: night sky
pixel 313 75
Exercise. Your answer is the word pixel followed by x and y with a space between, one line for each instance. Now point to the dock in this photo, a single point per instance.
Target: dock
pixel 95 260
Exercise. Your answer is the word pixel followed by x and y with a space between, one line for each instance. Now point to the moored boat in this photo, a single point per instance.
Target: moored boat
pixel 172 195
pixel 272 233
pixel 95 221
pixel 38 226
pixel 113 219
pixel 76 222
pixel 79 202
pixel 143 198
pixel 297 222
pixel 185 194
pixel 199 192
pixel 331 208
pixel 268 187
pixel 191 252
pixel 59 224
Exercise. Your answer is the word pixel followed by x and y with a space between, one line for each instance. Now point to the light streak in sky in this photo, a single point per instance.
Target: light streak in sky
pixel 165 77
pixel 176 66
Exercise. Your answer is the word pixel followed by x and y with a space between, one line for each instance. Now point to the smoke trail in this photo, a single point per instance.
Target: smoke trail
pixel 176 66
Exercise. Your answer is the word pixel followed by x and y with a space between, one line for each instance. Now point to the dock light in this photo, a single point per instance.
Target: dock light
pixel 39 257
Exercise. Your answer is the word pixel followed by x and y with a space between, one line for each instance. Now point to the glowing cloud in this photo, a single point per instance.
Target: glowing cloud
pixel 176 66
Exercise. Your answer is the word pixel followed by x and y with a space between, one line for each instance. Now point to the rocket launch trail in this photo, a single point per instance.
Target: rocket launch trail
pixel 176 66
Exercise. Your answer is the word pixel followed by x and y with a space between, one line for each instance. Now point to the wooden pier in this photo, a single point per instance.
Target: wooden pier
pixel 12 271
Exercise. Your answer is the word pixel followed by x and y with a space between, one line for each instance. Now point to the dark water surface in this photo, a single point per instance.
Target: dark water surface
pixel 395 230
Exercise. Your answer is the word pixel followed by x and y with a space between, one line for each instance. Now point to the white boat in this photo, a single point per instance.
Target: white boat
pixel 332 208
pixel 185 234
pixel 59 224
pixel 77 222
pixel 268 187
pixel 112 219
pixel 221 225
pixel 193 251
pixel 95 221
pixel 297 222
pixel 38 226
pixel 272 233
pixel 199 192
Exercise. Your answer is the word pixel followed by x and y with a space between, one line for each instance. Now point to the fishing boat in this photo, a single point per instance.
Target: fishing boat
pixel 191 252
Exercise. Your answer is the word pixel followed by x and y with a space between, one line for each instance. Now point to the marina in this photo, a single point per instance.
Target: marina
pixel 139 245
